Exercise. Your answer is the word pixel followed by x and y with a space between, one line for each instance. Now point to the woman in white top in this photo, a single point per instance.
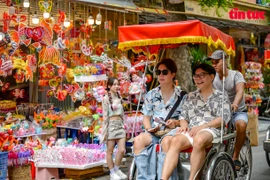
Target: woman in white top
pixel 113 128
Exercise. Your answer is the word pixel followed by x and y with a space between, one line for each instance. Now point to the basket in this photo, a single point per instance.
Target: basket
pixel 19 172
pixel 3 165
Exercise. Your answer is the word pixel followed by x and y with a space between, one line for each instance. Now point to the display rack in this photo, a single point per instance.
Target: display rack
pixel 254 82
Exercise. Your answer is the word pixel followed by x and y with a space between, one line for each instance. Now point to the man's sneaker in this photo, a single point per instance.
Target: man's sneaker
pixel 121 174
pixel 115 176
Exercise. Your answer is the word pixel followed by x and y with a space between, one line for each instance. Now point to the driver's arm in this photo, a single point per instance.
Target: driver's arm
pixel 239 93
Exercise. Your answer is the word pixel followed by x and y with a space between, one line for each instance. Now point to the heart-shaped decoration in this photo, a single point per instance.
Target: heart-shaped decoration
pixel 45 6
pixel 17 18
pixel 36 33
pixel 86 50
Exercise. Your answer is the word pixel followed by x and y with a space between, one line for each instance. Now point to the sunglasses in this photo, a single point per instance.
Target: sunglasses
pixel 199 76
pixel 164 72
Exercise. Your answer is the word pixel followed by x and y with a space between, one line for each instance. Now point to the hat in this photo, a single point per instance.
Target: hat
pixel 218 54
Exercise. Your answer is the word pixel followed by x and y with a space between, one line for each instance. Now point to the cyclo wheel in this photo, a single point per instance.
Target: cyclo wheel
pixel 133 171
pixel 267 158
pixel 267 137
pixel 245 158
pixel 221 168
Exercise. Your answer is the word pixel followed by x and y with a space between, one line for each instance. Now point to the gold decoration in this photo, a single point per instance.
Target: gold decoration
pixel 253 39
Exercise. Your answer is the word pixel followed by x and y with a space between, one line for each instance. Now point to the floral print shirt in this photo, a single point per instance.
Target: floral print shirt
pixel 197 112
pixel 155 107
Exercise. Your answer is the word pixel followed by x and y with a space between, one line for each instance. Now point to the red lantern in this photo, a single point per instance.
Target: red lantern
pixel 267 42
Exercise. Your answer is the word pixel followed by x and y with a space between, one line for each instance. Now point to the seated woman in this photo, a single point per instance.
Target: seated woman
pixel 200 122
pixel 158 104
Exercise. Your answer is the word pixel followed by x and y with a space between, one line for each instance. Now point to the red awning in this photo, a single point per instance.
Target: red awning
pixel 194 31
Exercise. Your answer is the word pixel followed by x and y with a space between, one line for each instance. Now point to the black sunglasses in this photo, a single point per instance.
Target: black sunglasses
pixel 164 72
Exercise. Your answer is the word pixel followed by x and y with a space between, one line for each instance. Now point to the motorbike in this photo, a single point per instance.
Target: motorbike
pixel 266 145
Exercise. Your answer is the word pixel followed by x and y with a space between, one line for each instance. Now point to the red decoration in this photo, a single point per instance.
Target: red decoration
pixel 18 18
pixel 6 20
pixel 18 93
pixel 267 42
pixel 36 33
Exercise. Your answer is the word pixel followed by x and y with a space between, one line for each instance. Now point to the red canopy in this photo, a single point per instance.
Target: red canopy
pixel 193 31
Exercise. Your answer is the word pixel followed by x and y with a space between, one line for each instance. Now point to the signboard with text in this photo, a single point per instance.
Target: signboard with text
pixel 237 13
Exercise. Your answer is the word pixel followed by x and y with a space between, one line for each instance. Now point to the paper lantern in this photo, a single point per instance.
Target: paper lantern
pixel 267 42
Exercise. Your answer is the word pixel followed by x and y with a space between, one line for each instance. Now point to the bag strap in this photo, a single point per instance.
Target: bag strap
pixel 182 94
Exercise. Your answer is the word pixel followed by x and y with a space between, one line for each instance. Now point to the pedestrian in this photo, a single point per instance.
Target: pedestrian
pixel 234 86
pixel 113 128
pixel 159 104
pixel 200 122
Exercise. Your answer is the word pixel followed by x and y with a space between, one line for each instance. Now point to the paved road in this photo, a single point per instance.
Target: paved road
pixel 261 170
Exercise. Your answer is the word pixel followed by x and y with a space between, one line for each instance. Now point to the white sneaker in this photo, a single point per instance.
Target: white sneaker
pixel 115 176
pixel 121 174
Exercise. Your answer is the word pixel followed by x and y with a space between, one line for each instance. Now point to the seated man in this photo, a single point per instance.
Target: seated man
pixel 234 87
pixel 158 104
pixel 200 122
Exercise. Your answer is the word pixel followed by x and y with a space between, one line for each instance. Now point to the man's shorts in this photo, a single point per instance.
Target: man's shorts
pixel 190 139
pixel 240 116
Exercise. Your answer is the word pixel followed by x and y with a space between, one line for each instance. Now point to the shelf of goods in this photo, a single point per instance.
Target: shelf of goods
pixel 254 82
pixel 7 106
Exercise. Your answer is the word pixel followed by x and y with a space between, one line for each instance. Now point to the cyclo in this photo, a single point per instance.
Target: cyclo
pixel 154 39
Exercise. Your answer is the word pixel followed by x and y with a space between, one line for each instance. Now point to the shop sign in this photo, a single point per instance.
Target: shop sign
pixel 237 14
pixel 248 15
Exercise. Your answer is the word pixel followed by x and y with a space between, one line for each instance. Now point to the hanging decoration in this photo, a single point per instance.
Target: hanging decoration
pixel 18 18
pixel 48 33
pixel 45 5
pixel 267 59
pixel 267 42
pixel 57 26
pixel 18 93
pixel 5 65
pixel 49 54
pixel 253 39
pixel 6 21
pixel 36 33
pixel 86 50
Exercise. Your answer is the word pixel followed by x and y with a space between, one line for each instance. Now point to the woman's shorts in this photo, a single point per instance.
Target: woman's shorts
pixel 116 129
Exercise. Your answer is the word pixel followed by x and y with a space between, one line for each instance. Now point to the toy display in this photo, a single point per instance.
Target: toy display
pixel 254 82
pixel 7 106
pixel 81 154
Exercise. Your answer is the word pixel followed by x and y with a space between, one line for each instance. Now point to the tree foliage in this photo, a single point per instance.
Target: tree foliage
pixel 207 4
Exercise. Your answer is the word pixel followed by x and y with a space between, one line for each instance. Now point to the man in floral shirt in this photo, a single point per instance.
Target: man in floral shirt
pixel 200 121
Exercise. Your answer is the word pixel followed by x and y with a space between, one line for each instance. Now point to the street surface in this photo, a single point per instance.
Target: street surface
pixel 260 171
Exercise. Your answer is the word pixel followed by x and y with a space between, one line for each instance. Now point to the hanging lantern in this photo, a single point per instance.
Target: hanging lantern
pixel 98 19
pixel 35 18
pixel 267 58
pixel 26 3
pixel 66 23
pixel 91 20
pixel 267 42
pixel 11 10
pixel 46 15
